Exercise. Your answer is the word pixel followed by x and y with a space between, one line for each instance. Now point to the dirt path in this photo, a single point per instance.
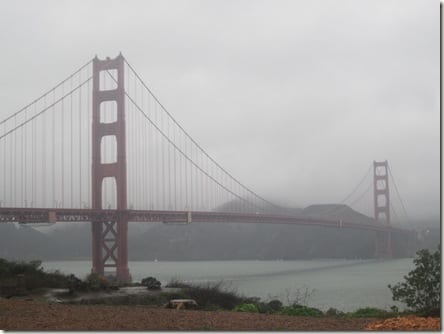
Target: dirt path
pixel 36 315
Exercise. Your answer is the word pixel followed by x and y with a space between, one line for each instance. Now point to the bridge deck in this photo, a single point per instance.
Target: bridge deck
pixel 52 215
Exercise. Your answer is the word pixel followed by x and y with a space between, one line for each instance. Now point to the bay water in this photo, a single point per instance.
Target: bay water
pixel 343 284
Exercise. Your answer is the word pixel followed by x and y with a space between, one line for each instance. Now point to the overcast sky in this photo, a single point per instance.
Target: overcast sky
pixel 294 98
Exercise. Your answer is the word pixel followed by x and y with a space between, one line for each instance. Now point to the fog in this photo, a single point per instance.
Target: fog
pixel 295 98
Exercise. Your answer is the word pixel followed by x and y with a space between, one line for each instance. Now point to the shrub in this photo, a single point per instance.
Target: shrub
pixel 421 290
pixel 332 312
pixel 270 307
pixel 28 275
pixel 263 307
pixel 76 284
pixel 246 308
pixel 175 283
pixel 210 295
pixel 151 283
pixel 275 305
pixel 173 295
pixel 300 296
pixel 95 282
pixel 213 294
pixel 299 310
pixel 369 312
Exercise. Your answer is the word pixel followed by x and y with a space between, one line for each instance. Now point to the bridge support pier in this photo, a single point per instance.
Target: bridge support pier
pixel 110 249
pixel 109 238
pixel 383 245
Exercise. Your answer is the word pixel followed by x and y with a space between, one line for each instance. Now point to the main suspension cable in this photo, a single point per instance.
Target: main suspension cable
pixel 16 127
pixel 185 156
pixel 194 142
pixel 399 195
pixel 45 94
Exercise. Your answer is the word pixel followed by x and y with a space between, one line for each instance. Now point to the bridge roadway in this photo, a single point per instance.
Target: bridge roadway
pixel 53 215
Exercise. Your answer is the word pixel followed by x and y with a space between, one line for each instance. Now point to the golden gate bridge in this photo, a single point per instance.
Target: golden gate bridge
pixel 100 147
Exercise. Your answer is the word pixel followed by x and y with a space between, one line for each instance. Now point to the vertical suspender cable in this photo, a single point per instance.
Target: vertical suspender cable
pixel 202 183
pixel 183 175
pixel 135 152
pixel 196 183
pixel 62 146
pixel 88 140
pixel 24 162
pixel 128 142
pixel 157 162
pixel 71 163
pixel 43 188
pixel 151 153
pixel 207 195
pixel 142 150
pixel 169 168
pixel 103 144
pixel 192 181
pixel 4 169
pixel 145 159
pixel 34 160
pixel 163 166
pixel 53 199
pixel 15 163
pixel 175 176
pixel 79 133
pixel 187 204
pixel 134 167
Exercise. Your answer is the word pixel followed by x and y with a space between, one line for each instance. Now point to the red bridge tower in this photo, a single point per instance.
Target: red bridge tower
pixel 109 238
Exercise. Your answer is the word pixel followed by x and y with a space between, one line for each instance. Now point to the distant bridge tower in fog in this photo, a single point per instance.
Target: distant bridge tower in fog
pixel 381 197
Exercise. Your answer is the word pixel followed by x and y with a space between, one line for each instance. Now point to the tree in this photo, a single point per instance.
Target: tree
pixel 421 290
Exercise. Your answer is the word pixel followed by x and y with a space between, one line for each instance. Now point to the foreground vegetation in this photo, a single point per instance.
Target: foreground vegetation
pixel 21 278
pixel 421 289
pixel 215 296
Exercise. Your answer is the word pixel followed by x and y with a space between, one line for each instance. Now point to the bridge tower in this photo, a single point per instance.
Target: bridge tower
pixel 109 238
pixel 381 196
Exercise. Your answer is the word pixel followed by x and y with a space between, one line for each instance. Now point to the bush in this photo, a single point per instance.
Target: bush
pixel 76 284
pixel 300 296
pixel 95 282
pixel 369 312
pixel 299 310
pixel 175 283
pixel 332 312
pixel 246 308
pixel 421 290
pixel 275 305
pixel 28 275
pixel 151 283
pixel 210 295
pixel 263 307
pixel 272 306
pixel 213 294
